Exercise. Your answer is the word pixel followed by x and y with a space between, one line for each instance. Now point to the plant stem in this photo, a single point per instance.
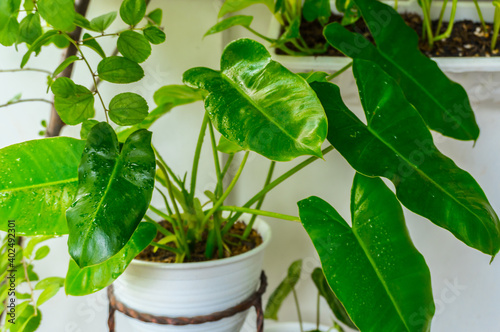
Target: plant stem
pixel 496 28
pixel 227 165
pixel 427 21
pixel 449 29
pixel 259 212
pixel 25 101
pixel 164 247
pixel 269 177
pixel 481 17
pixel 167 168
pixel 340 71
pixel 441 16
pixel 299 314
pixel 227 192
pixel 271 186
pixel 258 34
pixel 25 69
pixel 218 172
pixel 100 36
pixel 317 312
pixel 196 161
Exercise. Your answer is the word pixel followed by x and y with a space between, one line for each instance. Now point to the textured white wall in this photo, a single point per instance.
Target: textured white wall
pixel 471 305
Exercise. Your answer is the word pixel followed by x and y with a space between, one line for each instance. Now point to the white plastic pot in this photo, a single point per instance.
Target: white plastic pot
pixel 192 289
pixel 292 327
pixel 465 10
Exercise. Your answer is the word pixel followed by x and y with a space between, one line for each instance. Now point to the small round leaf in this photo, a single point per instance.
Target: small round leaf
pixel 117 69
pixel 127 109
pixel 154 35
pixel 134 46
pixel 132 11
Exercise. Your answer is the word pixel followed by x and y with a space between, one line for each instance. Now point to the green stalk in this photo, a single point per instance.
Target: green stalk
pixel 338 72
pixel 299 314
pixel 396 3
pixel 165 200
pixel 259 212
pixel 317 312
pixel 427 21
pixel 271 186
pixel 441 16
pixel 481 17
pixel 449 29
pixel 167 168
pixel 269 40
pixel 269 177
pixel 496 28
pixel 227 192
pixel 164 247
pixel 197 153
pixel 227 165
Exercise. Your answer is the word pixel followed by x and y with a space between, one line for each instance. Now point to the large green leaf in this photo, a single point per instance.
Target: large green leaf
pixel 117 69
pixel 30 28
pixel 74 103
pixel 331 299
pixel 38 182
pixel 94 278
pixel 260 105
pixel 373 268
pixel 442 103
pixel 397 145
pixel 9 26
pixel 283 290
pixel 114 190
pixel 58 13
pixel 134 46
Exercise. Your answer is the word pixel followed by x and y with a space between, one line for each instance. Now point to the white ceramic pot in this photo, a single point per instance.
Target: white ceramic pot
pixel 292 327
pixel 465 10
pixel 192 289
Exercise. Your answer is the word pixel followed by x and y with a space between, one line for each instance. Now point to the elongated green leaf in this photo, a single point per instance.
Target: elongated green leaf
pixel 93 44
pixel 154 35
pixel 134 46
pixel 314 76
pixel 38 181
pixel 9 31
pixel 156 16
pixel 226 146
pixel 166 98
pixel 114 191
pixel 317 10
pixel 81 21
pixel 260 105
pixel 42 284
pixel 69 60
pixel 94 278
pixel 231 6
pixel 58 13
pixel 49 292
pixel 443 104
pixel 116 69
pixel 128 109
pixel 37 44
pixel 30 28
pixel 397 145
pixel 334 303
pixel 74 103
pixel 42 252
pixel 229 22
pixel 102 22
pixel 283 290
pixel 132 11
pixel 373 268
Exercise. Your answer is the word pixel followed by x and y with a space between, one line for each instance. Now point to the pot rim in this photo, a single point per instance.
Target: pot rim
pixel 260 225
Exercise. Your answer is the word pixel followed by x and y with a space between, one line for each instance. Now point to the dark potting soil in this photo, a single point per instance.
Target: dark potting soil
pixel 467 39
pixel 236 246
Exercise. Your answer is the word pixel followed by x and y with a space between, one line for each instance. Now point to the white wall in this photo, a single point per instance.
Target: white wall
pixel 473 305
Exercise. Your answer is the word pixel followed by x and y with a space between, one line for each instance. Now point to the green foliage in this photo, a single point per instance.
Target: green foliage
pixel 9 26
pixel 134 46
pixel 155 16
pixel 231 6
pixel 277 116
pixel 101 215
pixel 350 11
pixel 132 11
pixel 116 69
pixel 68 61
pixel 58 13
pixel 154 35
pixel 37 44
pixel 317 10
pixel 91 43
pixel 384 283
pixel 128 109
pixel 229 22
pixel 30 28
pixel 38 178
pixel 74 103
pixel 102 22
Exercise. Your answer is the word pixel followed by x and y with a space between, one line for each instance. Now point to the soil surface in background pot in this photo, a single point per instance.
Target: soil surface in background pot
pixel 232 240
pixel 467 39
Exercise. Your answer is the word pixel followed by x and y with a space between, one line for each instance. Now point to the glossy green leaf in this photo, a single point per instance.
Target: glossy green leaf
pixel 229 22
pixel 231 6
pixel 314 76
pixel 94 278
pixel 116 69
pixel 331 299
pixel 373 268
pixel 442 103
pixel 134 46
pixel 317 10
pixel 9 31
pixel 132 11
pixel 397 145
pixel 283 290
pixel 102 22
pixel 156 16
pixel 93 44
pixel 87 125
pixel 114 190
pixel 58 13
pixel 37 44
pixel 154 35
pixel 69 60
pixel 30 28
pixel 350 11
pixel 38 181
pixel 128 109
pixel 260 105
pixel 226 146
pixel 74 103
pixel 166 98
